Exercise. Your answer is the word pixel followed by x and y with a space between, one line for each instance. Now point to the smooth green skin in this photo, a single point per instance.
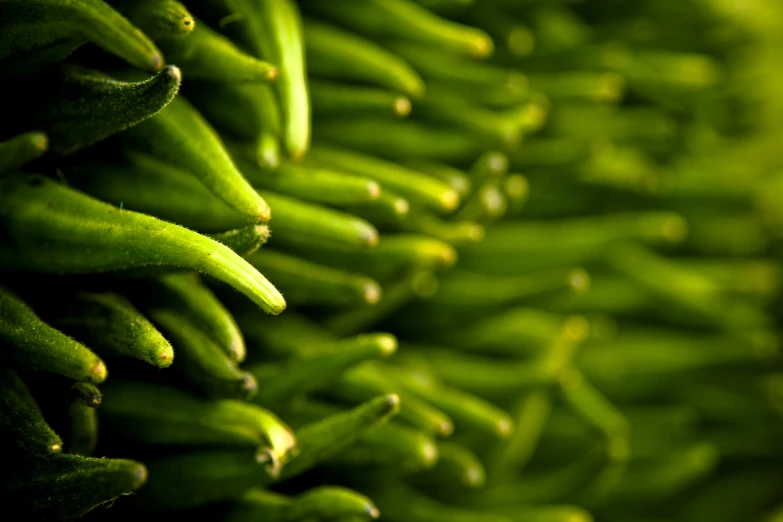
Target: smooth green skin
pixel 37 33
pixel 188 480
pixel 401 140
pixel 456 465
pixel 469 288
pixel 387 211
pixel 158 19
pixel 590 404
pixel 298 223
pixel 109 324
pixel 282 381
pixel 22 149
pixel 83 423
pixel 200 361
pixel 459 72
pixel 531 413
pixel 181 136
pixel 21 422
pixel 65 486
pixel 244 241
pixel 322 439
pixel 150 414
pixel 83 107
pixel 304 282
pixel 50 228
pixel 389 258
pixel 338 54
pixel 408 183
pixel 467 410
pixel 247 112
pixel 318 185
pixel 400 503
pixel 394 447
pixel 205 54
pixel 405 20
pixel 144 183
pixel 362 382
pixel 333 99
pixel 445 107
pixel 275 33
pixel 455 178
pixel 28 342
pixel 571 241
pixel 325 502
pixel 456 233
pixel 192 299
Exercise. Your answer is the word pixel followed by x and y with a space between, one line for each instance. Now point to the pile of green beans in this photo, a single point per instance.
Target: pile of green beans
pixel 416 260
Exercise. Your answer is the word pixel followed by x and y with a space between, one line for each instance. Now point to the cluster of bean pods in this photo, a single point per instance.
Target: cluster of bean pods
pixel 422 260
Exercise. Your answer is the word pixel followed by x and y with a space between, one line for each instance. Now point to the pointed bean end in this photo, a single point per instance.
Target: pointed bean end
pixel 387 344
pixel 272 74
pixel 372 511
pixel 449 200
pixel 369 235
pixel 393 401
pixel 156 62
pixel 248 386
pixel 174 72
pixel 482 46
pixel 373 190
pixel 237 350
pixel 504 428
pixel 372 293
pixel 474 478
pixel 98 373
pixel 40 141
pixel 430 453
pixel 402 106
pixel 140 478
pixel 579 280
pixel 56 448
pixel 445 428
pixel 401 207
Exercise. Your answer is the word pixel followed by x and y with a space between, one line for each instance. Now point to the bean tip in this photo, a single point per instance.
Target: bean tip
pixel 370 236
pixel 140 477
pixel 401 207
pixel 393 401
pixel 156 62
pixel 188 24
pixel 40 141
pixel 445 428
pixel 56 448
pixel 272 74
pixel 98 373
pixel 372 292
pixel 482 46
pixel 473 478
pixel 429 452
pixel 504 427
pixel 373 190
pixel 402 106
pixel 387 343
pixel 372 511
pixel 174 73
pixel 579 280
pixel 449 200
pixel 248 385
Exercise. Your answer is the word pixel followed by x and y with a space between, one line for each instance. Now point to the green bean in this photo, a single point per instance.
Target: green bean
pixel 31 343
pixel 455 178
pixel 567 241
pixel 467 288
pixel 593 406
pixel 189 480
pixel 455 232
pixel 51 228
pixel 158 19
pixel 282 381
pixel 329 502
pixel 407 286
pixel 455 70
pixel 186 294
pixel 69 486
pixel 150 414
pixel 331 98
pixel 392 446
pixel 320 440
pixel 142 182
pixel 22 149
pixel 318 185
pixel 247 112
pixel 467 410
pixel 84 106
pixel 338 54
pixel 82 419
pixel 201 362
pixel 401 140
pixel 207 55
pixel 392 256
pixel 506 30
pixel 366 381
pixel 304 282
pixel 37 33
pixel 446 107
pixel 303 223
pixel 244 241
pixel 109 324
pixel 402 503
pixel 276 28
pixel 409 183
pixel 181 137
pixel 21 421
pixel 456 465
pixel 401 19
pixel 388 210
